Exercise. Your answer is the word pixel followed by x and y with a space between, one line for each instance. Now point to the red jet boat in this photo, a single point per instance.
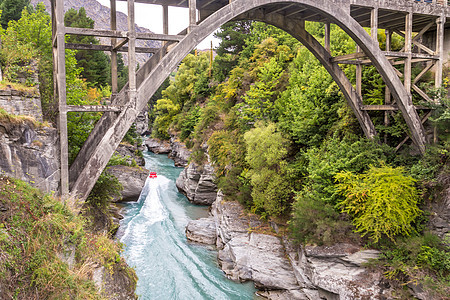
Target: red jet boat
pixel 152 175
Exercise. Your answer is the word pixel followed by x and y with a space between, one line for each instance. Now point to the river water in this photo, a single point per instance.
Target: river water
pixel 169 267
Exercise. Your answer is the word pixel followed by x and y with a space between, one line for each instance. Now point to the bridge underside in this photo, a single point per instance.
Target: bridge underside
pixel 404 18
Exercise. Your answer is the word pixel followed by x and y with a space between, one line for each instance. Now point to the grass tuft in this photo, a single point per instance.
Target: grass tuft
pixel 45 250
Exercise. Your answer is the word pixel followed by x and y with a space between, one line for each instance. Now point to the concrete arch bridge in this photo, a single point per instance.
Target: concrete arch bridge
pixel 421 23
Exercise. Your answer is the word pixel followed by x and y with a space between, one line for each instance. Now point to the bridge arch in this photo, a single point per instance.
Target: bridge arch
pixel 110 130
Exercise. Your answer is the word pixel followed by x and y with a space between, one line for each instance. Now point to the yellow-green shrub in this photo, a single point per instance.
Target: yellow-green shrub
pixel 382 201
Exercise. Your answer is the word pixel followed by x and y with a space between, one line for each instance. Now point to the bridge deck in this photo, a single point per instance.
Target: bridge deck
pixel 391 12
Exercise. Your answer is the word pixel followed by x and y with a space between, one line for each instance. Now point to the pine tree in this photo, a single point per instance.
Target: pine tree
pixel 233 37
pixel 12 10
pixel 95 64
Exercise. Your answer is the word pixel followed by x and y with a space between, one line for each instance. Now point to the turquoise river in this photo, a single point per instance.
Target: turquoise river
pixel 167 265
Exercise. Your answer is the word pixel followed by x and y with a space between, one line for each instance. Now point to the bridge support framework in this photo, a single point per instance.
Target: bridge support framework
pixel 290 15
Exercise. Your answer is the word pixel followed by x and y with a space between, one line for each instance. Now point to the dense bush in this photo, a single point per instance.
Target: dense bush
pixel 266 150
pixel 422 259
pixel 381 201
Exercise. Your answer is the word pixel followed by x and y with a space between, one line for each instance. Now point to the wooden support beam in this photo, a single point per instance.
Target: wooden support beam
pixel 207 3
pixel 394 63
pixel 385 107
pixel 423 47
pixel 93 108
pixel 416 57
pixel 165 23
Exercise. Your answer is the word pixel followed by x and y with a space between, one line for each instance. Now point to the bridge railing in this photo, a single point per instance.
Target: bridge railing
pixel 439 2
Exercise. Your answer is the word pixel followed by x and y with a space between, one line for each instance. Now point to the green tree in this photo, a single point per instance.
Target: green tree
pixel 95 64
pixel 315 217
pixel 266 150
pixel 166 110
pixel 259 100
pixel 232 37
pixel 308 108
pixel 12 10
pixel 33 32
pixel 181 95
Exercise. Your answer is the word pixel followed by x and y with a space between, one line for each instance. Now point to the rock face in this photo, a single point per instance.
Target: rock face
pixel 142 122
pixel 336 272
pixel 280 269
pixel 130 153
pixel 440 209
pixel 197 183
pixel 179 153
pixel 245 255
pixel 132 179
pixel 114 285
pixel 30 153
pixel 158 146
pixel 202 231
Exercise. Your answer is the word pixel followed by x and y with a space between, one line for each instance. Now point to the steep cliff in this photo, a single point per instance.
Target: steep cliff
pixel 197 183
pixel 29 151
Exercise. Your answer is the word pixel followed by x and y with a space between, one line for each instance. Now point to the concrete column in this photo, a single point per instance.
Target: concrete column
pixel 408 47
pixel 440 22
pixel 131 51
pixel 60 88
pixel 114 71
pixel 165 25
pixel 358 76
pixel 374 24
pixel 327 37
pixel 387 92
pixel 192 14
pixel 165 19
